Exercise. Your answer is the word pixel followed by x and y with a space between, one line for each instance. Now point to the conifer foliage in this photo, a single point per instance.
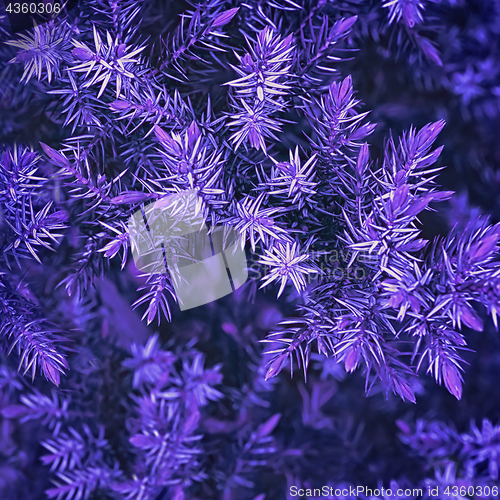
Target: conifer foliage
pixel 372 277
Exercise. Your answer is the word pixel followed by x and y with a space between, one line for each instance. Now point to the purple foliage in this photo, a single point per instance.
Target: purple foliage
pixel 375 268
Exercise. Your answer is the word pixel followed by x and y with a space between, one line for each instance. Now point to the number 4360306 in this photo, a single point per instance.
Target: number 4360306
pixel 481 491
pixel 33 8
